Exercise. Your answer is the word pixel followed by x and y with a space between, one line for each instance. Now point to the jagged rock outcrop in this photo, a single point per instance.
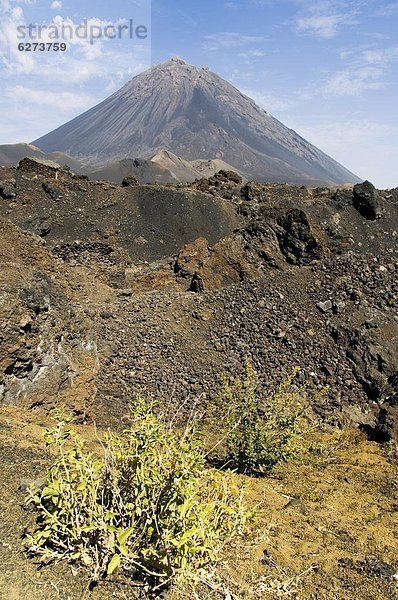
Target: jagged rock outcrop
pixel 367 201
pixel 297 240
pixel 48 345
pixel 7 189
pixel 41 166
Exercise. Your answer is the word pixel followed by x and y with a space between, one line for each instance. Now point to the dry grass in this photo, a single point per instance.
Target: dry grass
pixel 327 522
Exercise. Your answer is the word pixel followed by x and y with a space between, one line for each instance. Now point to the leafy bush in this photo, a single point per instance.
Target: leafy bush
pixel 259 434
pixel 148 505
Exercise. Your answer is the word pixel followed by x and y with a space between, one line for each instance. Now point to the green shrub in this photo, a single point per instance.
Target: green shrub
pixel 259 434
pixel 147 505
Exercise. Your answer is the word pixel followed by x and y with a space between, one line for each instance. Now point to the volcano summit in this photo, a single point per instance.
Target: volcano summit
pixel 194 114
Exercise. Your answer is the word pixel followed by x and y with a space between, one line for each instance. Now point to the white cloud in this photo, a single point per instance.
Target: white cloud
pixel 256 53
pixel 357 131
pixel 4 5
pixel 56 5
pixel 42 90
pixel 84 58
pixel 228 40
pixel 13 61
pixel 352 82
pixel 324 26
pixel 65 101
pixel 388 10
pixel 368 69
pixel 326 18
pixel 250 54
pixel 381 56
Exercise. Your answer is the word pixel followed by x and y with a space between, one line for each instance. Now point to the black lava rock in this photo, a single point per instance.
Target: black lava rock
pixel 367 200
pixel 7 189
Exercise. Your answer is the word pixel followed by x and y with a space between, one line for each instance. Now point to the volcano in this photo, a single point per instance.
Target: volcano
pixel 196 115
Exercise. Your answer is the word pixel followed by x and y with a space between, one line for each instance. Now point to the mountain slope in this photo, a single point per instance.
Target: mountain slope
pixel 186 171
pixel 163 167
pixel 194 114
pixel 11 154
pixel 144 170
pixel 182 169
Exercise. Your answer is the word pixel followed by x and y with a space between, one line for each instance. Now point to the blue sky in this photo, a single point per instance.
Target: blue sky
pixel 327 68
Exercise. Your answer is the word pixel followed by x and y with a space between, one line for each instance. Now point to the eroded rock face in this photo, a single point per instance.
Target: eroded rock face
pixel 191 258
pixel 372 347
pixel 224 182
pixel 253 191
pixel 8 189
pixel 297 239
pixel 387 423
pixel 53 191
pixel 41 166
pixel 39 225
pixel 148 222
pixel 48 347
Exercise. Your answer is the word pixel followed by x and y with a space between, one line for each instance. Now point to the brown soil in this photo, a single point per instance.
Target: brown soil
pixel 327 526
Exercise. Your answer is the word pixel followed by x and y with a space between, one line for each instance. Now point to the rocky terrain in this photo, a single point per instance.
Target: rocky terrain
pixel 162 167
pixel 196 115
pixel 160 290
pixel 107 291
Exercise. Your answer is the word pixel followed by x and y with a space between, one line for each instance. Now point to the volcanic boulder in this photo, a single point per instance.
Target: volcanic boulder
pixel 297 240
pixel 8 189
pixel 367 200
